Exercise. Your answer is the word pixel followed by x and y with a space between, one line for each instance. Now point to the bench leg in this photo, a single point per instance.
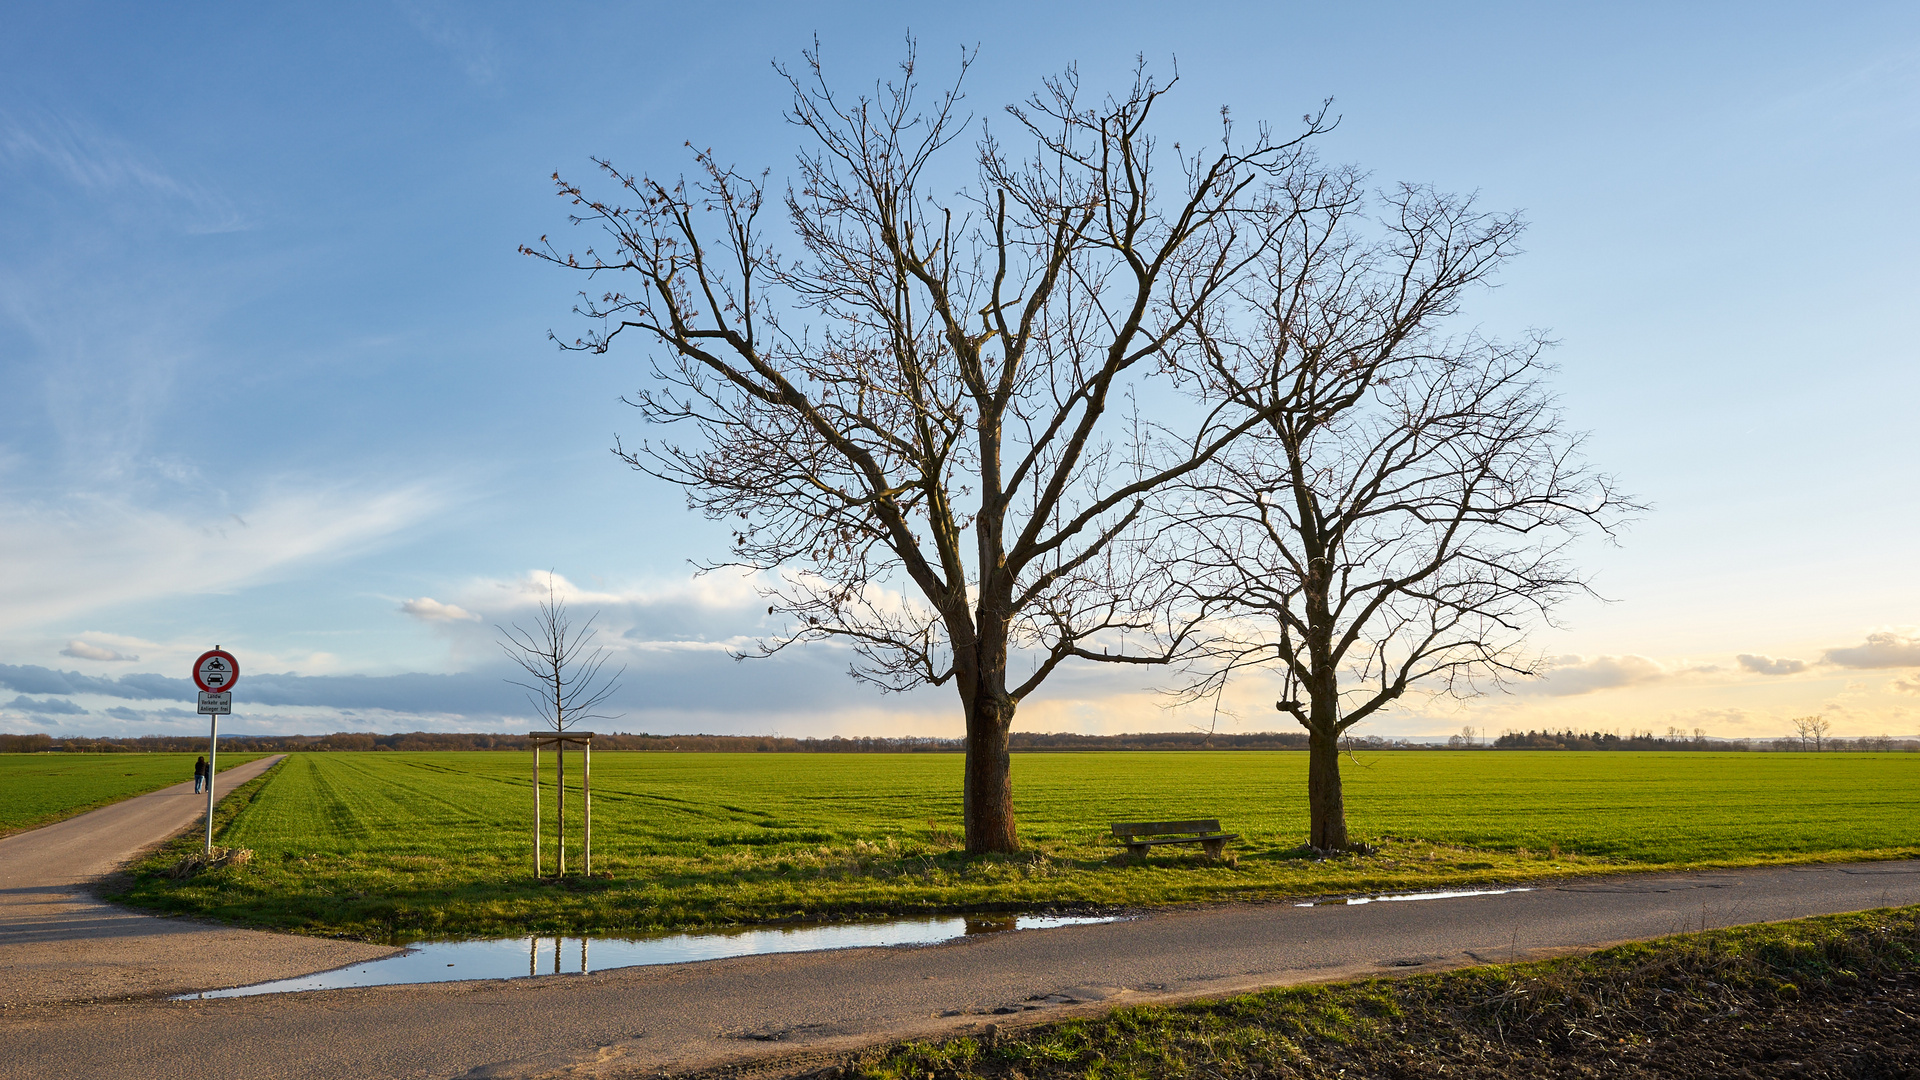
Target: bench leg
pixel 1215 848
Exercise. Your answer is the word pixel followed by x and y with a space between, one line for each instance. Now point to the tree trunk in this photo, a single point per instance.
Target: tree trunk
pixel 989 780
pixel 1326 806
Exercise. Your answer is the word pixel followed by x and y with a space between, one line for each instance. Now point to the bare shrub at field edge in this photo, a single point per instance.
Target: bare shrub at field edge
pixel 198 861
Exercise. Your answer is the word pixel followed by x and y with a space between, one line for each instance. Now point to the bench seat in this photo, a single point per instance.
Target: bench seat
pixel 1141 835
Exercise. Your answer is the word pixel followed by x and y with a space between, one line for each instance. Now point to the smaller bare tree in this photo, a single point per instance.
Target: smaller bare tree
pixel 1401 518
pixel 568 682
pixel 1812 729
pixel 567 670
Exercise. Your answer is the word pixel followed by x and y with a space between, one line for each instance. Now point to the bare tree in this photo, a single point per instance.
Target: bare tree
pixel 1812 730
pixel 920 414
pixel 568 680
pixel 1399 519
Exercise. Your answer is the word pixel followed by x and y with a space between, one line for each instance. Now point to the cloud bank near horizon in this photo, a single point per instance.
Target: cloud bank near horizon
pixel 675 641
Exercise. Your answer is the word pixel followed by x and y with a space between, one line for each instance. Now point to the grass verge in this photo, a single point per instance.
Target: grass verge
pixel 40 789
pixel 1834 996
pixel 410 845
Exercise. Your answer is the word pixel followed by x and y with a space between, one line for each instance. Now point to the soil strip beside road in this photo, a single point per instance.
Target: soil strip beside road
pixel 59 943
pixel 642 1021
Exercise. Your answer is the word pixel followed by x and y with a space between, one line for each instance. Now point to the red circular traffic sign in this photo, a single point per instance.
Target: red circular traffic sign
pixel 216 671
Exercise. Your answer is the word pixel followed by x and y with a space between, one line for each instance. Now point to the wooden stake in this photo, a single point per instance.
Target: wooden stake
pixel 536 811
pixel 586 809
pixel 560 809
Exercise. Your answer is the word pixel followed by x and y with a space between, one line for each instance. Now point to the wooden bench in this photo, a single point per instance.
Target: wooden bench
pixel 1141 835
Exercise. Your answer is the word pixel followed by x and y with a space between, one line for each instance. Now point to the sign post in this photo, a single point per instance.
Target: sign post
pixel 214 673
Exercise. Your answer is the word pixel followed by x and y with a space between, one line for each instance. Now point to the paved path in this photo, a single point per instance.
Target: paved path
pixel 639 1021
pixel 58 943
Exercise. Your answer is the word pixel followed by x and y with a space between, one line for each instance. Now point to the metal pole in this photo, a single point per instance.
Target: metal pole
pixel 213 757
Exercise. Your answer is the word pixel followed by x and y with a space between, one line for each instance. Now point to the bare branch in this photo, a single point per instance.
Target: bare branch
pixel 566 682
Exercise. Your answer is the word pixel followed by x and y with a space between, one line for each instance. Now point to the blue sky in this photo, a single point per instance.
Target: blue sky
pixel 274 378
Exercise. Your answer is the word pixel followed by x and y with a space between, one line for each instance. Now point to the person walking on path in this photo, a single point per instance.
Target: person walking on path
pixel 200 775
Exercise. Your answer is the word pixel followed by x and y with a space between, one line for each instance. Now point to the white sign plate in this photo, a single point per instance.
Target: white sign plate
pixel 216 704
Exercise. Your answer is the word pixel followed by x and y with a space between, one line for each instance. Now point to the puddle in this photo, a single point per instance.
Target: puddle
pixel 494 958
pixel 1389 898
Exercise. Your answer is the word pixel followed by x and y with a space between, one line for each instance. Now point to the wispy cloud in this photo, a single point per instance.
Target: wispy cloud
pixel 449 28
pixel 1564 676
pixel 1767 665
pixel 1885 649
pixel 149 717
pixel 431 610
pixel 79 156
pixel 86 650
pixel 716 610
pixel 89 551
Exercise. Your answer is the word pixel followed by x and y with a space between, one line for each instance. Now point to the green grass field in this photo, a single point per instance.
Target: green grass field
pixel 404 844
pixel 40 789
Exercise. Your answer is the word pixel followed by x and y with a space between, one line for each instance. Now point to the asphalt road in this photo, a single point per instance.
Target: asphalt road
pixel 58 943
pixel 637 1021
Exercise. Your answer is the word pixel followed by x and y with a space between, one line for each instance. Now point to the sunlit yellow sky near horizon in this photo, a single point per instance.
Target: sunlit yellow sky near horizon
pixel 276 380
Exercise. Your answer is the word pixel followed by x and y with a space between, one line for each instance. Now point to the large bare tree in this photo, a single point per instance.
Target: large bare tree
pixel 934 412
pixel 1400 518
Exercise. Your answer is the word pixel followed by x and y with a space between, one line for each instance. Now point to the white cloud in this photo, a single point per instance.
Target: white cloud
pixel 431 610
pixel 1885 649
pixel 1766 665
pixel 1564 676
pixel 85 650
pixel 89 551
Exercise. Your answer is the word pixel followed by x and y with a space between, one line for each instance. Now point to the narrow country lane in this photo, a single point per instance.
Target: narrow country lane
pixel 59 944
pixel 640 1021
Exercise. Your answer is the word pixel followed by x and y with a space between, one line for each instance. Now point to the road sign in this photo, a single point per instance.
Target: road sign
pixel 216 704
pixel 216 671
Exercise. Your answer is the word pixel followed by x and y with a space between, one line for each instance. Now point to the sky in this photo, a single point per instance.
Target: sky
pixel 273 377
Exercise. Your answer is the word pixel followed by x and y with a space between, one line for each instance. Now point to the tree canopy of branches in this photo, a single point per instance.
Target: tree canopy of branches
pixel 566 677
pixel 919 410
pixel 1401 516
pixel 1812 730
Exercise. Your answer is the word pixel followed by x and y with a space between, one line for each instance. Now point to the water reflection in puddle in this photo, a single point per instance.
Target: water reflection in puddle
pixel 449 961
pixel 1353 900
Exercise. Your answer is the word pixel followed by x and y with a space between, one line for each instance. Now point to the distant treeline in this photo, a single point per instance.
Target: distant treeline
pixel 1033 742
pixel 1608 740
pixel 773 744
pixel 1647 740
